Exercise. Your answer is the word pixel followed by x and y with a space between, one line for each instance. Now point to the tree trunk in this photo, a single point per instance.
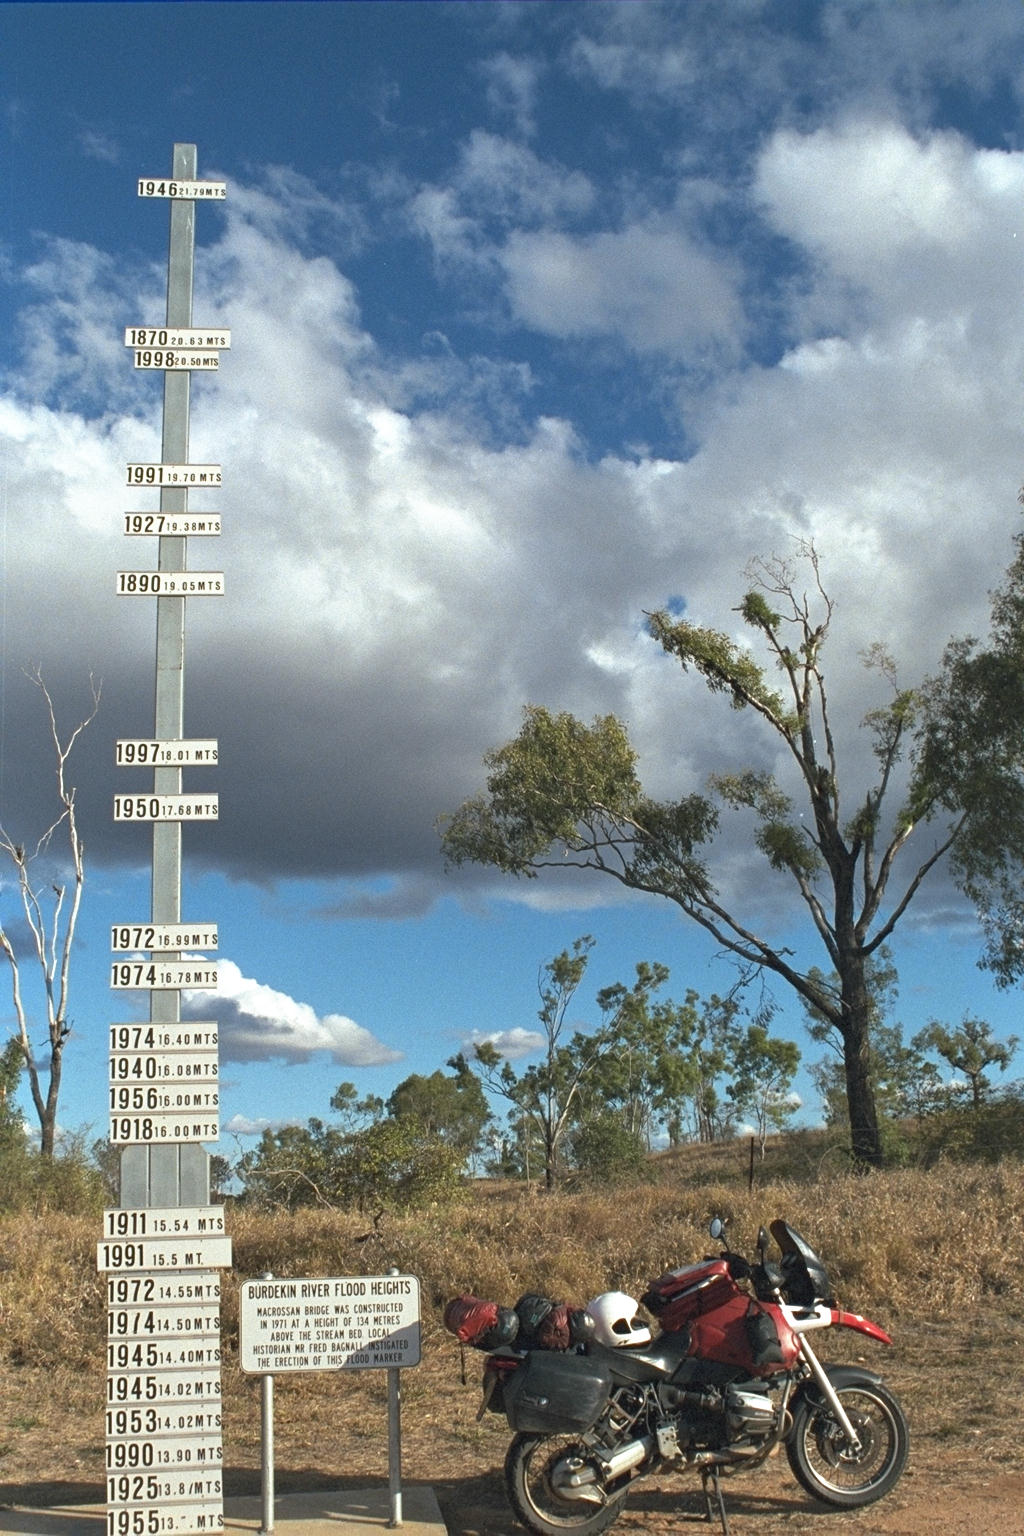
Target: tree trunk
pixel 865 1137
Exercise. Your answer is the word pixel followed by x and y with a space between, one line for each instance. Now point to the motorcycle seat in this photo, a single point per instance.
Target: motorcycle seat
pixel 645 1362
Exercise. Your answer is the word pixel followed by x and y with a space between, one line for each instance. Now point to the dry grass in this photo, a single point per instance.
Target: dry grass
pixel 937 1256
pixel 900 1244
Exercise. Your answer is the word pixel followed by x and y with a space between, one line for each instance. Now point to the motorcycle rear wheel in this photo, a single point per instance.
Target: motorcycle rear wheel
pixel 532 1465
pixel 822 1460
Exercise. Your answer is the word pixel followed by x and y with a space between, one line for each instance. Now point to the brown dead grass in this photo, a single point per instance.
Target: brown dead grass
pixel 937 1257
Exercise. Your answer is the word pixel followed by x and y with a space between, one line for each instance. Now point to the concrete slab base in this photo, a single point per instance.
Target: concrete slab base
pixel 348 1512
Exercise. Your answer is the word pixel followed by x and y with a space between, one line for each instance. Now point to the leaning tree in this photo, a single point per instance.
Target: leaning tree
pixel 567 794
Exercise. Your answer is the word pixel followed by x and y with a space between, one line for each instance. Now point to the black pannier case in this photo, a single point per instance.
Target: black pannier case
pixel 554 1393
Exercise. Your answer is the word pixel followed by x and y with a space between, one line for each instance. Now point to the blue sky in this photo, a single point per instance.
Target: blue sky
pixel 542 314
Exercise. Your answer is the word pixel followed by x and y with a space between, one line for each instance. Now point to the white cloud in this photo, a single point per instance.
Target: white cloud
pixel 253 1125
pixel 649 284
pixel 899 225
pixel 512 82
pixel 259 1023
pixel 401 581
pixel 510 1043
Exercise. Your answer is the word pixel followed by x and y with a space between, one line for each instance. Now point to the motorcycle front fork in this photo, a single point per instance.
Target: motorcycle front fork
pixel 829 1393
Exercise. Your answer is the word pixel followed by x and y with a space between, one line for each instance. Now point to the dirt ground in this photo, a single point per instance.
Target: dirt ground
pixel 961 1389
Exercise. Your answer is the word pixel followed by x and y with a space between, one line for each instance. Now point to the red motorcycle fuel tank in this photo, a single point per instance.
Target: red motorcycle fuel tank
pixel 723 1335
pixel 705 1299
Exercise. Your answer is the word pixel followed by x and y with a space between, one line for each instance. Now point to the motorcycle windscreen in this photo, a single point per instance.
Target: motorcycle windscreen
pixel 805 1275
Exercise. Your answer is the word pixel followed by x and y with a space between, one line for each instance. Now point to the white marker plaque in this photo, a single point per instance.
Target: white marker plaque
pixel 164 1291
pixel 168 1519
pixel 135 752
pixel 132 1489
pixel 196 1035
pixel 365 1322
pixel 157 1067
pixel 171 525
pixel 176 361
pixel 192 337
pixel 164 975
pixel 170 584
pixel 163 1355
pixel 163 186
pixel 175 476
pixel 179 1451
pixel 183 1388
pixel 165 1253
pixel 188 1320
pixel 140 1130
pixel 166 807
pixel 132 1098
pixel 132 1422
pixel 162 1221
pixel 163 936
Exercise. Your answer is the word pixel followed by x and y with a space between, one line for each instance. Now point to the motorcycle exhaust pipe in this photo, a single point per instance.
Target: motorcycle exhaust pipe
pixel 582 1482
pixel 628 1457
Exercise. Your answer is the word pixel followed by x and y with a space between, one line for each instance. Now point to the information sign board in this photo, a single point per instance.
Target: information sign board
pixel 175 476
pixel 164 1067
pixel 135 752
pixel 166 807
pixel 177 1252
pixel 159 936
pixel 194 337
pixel 364 1322
pixel 170 583
pixel 197 1034
pixel 163 186
pixel 171 525
pixel 137 1130
pixel 164 975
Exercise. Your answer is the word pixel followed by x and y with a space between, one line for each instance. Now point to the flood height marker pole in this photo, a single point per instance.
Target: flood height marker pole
pixel 165 1243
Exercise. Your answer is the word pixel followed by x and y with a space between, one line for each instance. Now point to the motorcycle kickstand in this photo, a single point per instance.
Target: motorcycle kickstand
pixel 710 1475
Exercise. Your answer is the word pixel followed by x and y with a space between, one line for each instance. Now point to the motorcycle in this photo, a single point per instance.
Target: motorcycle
pixel 730 1377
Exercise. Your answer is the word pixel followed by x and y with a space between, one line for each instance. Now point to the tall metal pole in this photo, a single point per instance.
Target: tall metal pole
pixel 179 1174
pixel 164 1242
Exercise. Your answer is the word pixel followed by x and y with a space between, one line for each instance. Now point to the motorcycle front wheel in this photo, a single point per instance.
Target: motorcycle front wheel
pixel 542 1472
pixel 823 1460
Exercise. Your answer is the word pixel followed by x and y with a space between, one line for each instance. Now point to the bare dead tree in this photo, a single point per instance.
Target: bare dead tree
pixel 50 909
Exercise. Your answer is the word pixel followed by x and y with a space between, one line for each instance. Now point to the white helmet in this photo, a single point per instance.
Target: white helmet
pixel 616 1321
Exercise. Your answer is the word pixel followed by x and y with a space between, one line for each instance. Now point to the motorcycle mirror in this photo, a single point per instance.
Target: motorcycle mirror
pixel 717 1229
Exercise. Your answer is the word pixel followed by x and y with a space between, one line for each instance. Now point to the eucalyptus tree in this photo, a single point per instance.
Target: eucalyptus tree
pixel 969 1049
pixel 567 794
pixel 972 746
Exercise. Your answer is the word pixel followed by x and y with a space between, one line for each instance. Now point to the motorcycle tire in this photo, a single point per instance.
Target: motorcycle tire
pixel 531 1471
pixel 818 1451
